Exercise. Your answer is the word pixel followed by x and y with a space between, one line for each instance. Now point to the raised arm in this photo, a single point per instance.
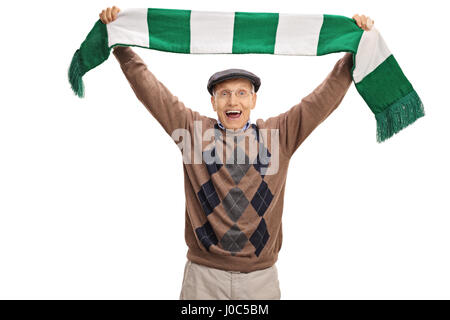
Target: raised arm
pixel 159 101
pixel 296 124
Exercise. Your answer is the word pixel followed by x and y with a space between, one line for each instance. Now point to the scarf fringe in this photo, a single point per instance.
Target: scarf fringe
pixel 398 116
pixel 76 75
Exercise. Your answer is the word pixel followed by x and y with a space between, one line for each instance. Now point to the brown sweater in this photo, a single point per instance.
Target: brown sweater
pixel 234 196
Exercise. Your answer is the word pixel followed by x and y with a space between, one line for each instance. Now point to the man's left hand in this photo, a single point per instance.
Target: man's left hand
pixel 363 22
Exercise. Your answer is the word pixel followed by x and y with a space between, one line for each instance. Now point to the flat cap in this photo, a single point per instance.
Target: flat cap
pixel 233 74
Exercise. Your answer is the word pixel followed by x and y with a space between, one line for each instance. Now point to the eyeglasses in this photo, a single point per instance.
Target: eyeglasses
pixel 225 94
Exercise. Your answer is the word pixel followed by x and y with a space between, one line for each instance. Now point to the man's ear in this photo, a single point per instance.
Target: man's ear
pixel 254 100
pixel 213 102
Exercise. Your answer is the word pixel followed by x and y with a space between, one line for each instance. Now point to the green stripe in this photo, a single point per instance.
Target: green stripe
pixel 169 30
pixel 254 32
pixel 338 33
pixel 94 49
pixel 384 86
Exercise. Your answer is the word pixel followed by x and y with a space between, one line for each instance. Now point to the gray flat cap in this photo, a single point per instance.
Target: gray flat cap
pixel 232 74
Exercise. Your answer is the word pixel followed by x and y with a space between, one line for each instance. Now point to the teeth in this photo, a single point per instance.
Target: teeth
pixel 237 112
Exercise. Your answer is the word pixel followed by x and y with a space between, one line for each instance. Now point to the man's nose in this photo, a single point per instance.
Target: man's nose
pixel 233 99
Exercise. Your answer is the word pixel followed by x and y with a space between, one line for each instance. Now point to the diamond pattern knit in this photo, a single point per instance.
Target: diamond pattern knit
pixel 235 202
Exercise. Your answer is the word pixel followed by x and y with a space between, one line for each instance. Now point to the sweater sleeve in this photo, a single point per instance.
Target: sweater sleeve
pixel 296 124
pixel 160 102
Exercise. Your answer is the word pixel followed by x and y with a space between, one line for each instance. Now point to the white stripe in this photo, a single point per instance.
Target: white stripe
pixel 131 28
pixel 212 32
pixel 298 34
pixel 372 51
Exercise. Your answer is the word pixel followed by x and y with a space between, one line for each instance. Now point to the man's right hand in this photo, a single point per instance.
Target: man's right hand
pixel 109 14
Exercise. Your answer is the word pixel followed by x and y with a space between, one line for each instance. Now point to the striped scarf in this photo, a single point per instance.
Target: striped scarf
pixel 376 73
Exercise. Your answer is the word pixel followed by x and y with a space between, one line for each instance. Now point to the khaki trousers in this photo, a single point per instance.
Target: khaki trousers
pixel 204 283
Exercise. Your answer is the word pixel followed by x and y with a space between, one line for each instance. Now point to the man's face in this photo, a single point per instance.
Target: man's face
pixel 224 103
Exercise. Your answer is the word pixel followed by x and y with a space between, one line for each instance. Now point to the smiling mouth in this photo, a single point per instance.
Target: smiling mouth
pixel 233 114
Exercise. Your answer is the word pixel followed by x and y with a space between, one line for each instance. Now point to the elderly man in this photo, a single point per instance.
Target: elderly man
pixel 234 207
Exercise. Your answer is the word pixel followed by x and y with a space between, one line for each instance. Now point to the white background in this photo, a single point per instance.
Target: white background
pixel 92 202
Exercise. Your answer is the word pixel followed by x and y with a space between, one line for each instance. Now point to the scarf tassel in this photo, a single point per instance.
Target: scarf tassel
pixel 76 74
pixel 398 116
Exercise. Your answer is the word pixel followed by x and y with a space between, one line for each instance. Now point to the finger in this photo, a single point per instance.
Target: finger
pixel 108 14
pixel 367 24
pixel 364 21
pixel 358 21
pixel 115 11
pixel 102 16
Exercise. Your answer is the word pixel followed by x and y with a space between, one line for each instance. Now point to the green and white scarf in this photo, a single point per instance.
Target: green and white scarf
pixel 376 73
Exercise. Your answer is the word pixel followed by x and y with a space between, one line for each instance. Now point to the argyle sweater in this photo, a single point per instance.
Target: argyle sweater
pixel 234 194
